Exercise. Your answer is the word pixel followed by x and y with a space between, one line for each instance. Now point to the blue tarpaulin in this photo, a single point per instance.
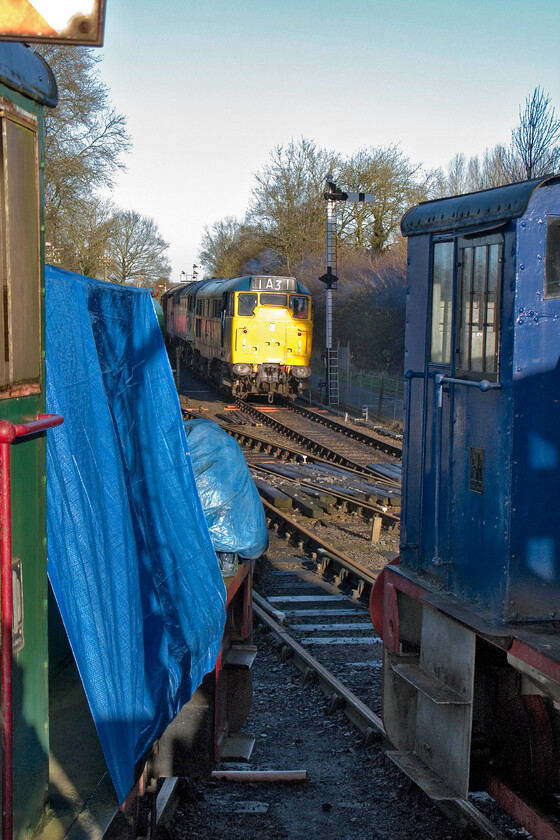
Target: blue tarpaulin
pixel 131 562
pixel 230 500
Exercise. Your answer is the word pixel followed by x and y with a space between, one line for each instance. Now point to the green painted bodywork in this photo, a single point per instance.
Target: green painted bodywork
pixel 61 787
pixel 29 545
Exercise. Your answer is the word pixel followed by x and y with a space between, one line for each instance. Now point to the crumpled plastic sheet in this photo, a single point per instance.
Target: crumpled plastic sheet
pixel 131 561
pixel 230 501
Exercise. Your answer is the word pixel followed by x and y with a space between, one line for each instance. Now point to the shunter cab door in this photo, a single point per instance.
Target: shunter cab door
pixel 463 509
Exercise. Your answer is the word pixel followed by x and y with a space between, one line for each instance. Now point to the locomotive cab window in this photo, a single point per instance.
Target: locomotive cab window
pixel 299 305
pixel 552 259
pixel 480 274
pixel 246 304
pixel 274 300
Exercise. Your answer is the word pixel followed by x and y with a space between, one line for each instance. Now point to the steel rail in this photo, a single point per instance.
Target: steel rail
pixel 364 718
pixel 371 441
pixel 329 554
pixel 247 436
pixel 327 419
pixel 319 452
pixel 390 520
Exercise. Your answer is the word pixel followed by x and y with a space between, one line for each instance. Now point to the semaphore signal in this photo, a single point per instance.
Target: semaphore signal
pixel 332 194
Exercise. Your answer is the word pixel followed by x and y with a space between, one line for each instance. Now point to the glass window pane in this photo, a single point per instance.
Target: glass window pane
pixel 246 304
pixel 20 267
pixel 466 306
pixel 480 280
pixel 491 307
pixel 299 306
pixel 274 300
pixel 478 308
pixel 442 303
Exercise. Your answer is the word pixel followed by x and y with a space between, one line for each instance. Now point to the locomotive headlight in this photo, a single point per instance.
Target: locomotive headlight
pixel 242 369
pixel 301 371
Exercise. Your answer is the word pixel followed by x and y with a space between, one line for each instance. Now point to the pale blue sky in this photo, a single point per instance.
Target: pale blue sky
pixel 209 87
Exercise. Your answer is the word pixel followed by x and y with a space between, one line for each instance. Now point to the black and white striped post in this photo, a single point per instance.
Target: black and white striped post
pixel 332 194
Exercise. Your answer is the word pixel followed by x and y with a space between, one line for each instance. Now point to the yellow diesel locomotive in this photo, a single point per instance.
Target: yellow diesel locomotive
pixel 251 334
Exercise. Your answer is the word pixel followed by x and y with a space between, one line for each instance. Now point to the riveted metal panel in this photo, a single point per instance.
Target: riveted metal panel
pixel 479 463
pixel 479 210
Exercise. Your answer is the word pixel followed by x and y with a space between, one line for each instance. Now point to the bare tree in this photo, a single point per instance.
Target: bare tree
pixel 85 138
pixel 228 245
pixel 83 238
pixel 288 205
pixel 534 151
pixel 496 167
pixel 397 185
pixel 136 250
pixel 536 138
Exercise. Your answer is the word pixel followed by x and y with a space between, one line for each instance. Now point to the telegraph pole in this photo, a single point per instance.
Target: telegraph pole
pixel 332 194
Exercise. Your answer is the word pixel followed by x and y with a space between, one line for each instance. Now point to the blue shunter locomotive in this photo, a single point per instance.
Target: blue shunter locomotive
pixel 470 615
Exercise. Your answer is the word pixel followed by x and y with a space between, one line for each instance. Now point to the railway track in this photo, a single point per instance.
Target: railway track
pixel 332 502
pixel 321 624
pixel 325 435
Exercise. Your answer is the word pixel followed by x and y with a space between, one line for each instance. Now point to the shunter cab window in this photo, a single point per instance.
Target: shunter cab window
pixel 552 259
pixel 480 271
pixel 442 303
pixel 246 304
pixel 299 306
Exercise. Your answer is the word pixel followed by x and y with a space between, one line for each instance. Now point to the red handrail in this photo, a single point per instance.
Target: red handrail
pixel 8 433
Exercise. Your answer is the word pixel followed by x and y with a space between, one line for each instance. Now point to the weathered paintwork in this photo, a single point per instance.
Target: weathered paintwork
pixel 26 85
pixel 495 544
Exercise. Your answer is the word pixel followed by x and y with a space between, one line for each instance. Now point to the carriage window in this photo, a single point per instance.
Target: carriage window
pixel 246 304
pixel 299 306
pixel 274 300
pixel 479 284
pixel 442 303
pixel 552 260
pixel 19 255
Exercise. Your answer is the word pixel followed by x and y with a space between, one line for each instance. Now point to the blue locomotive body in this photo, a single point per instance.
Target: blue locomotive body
pixel 470 613
pixel 482 345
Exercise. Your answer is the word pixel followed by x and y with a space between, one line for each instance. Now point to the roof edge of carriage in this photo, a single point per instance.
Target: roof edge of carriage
pixel 483 209
pixel 219 285
pixel 28 73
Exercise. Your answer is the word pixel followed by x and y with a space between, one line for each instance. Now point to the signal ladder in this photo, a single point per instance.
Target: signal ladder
pixel 332 377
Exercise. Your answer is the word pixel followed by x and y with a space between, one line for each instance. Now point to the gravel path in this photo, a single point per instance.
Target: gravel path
pixel 351 792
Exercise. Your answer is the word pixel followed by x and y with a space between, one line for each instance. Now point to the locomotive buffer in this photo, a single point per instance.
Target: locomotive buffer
pixel 333 194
